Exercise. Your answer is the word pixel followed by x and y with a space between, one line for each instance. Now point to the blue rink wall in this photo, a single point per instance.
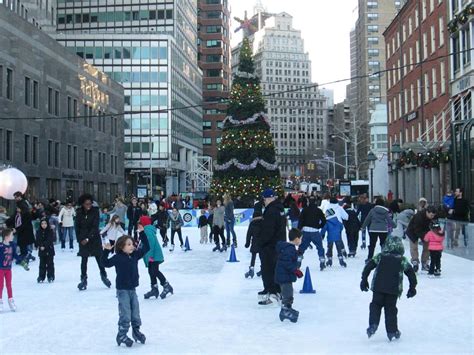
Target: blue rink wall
pixel 242 217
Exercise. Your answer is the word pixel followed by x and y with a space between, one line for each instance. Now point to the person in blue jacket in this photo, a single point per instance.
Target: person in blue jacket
pixel 286 272
pixel 125 261
pixel 333 229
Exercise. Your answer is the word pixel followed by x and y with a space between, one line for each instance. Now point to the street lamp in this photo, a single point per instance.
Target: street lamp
pixel 346 141
pixel 371 158
pixel 396 151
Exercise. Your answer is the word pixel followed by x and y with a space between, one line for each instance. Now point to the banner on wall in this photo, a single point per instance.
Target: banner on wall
pixel 243 216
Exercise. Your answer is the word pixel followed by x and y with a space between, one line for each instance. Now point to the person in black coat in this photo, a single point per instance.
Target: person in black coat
pixel 160 220
pixel 134 213
pixel 352 226
pixel 417 228
pixel 22 225
pixel 311 221
pixel 273 230
pixel 88 237
pixel 387 285
pixel 286 271
pixel 363 209
pixel 45 244
pixel 253 233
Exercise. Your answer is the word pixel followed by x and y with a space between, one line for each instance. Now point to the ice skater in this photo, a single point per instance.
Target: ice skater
pixel 176 222
pixel 286 272
pixel 387 285
pixel 125 261
pixel 160 220
pixel 153 259
pixel 352 226
pixel 333 229
pixel 112 231
pixel 218 226
pixel 435 239
pixel 202 225
pixel 7 254
pixel 251 241
pixel 45 243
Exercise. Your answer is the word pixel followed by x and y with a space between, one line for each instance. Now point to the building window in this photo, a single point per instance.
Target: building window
pixel 372 17
pixel 56 155
pixel 74 110
pixel 90 161
pixel 74 157
pixel 466 42
pixel 27 148
pixel 427 87
pixel 456 58
pixel 69 156
pixel 86 160
pixel 35 150
pixel 206 124
pixel 35 94
pixel 372 4
pixel 50 152
pixel 27 91
pixel 56 103
pixel 373 52
pixel 9 145
pixel 207 141
pixel 1 80
pixel 441 31
pixel 50 101
pixel 9 90
pixel 443 78
pixel 434 83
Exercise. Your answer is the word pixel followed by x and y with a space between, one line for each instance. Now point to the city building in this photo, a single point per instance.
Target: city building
pixel 367 63
pixel 339 144
pixel 214 60
pixel 296 107
pixel 461 32
pixel 418 100
pixel 60 118
pixel 151 49
pixel 379 146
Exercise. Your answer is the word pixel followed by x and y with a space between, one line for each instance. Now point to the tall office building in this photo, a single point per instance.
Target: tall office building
pixel 368 47
pixel 214 60
pixel 151 48
pixel 296 107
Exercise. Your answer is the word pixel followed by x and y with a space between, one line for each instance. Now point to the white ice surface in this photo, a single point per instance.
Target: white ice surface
pixel 214 310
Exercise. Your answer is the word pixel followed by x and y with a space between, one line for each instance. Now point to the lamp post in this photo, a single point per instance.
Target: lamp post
pixel 346 141
pixel 396 150
pixel 371 158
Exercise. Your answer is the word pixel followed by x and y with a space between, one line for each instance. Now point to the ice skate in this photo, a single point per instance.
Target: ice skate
pixel 425 268
pixel 105 280
pixel 166 290
pixel 342 262
pixel 153 292
pixel 437 273
pixel 371 330
pixel 415 266
pixel 124 339
pixel 395 335
pixel 363 246
pixel 289 313
pixel 352 254
pixel 275 298
pixel 50 279
pixel 344 253
pixel 234 244
pixel 138 336
pixel 39 280
pixel 183 248
pixel 224 248
pixel 217 248
pixel 250 273
pixel 259 273
pixel 264 298
pixel 172 248
pixel 329 262
pixel 83 284
pixel 12 304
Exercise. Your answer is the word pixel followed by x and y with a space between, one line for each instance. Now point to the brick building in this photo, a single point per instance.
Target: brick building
pixel 417 48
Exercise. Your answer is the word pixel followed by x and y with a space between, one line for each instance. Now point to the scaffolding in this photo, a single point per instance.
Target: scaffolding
pixel 200 176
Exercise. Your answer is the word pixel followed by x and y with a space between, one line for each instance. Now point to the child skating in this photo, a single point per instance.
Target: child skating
pixel 252 236
pixel 333 229
pixel 176 222
pixel 286 272
pixel 387 285
pixel 112 231
pixel 125 261
pixel 45 244
pixel 202 225
pixel 153 258
pixel 7 254
pixel 435 239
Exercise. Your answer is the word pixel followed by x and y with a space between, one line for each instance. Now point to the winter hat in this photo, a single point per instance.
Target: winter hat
pixel 330 213
pixel 268 193
pixel 145 221
pixel 393 245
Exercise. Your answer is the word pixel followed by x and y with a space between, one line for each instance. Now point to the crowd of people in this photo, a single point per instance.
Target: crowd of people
pixel 119 235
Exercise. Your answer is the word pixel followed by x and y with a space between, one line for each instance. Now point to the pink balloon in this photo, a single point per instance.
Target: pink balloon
pixel 11 181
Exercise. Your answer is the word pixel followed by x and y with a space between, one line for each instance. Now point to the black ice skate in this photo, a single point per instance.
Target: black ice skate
pixel 437 273
pixel 425 267
pixel 264 298
pixel 344 253
pixel 224 248
pixel 415 266
pixel 172 248
pixel 39 280
pixel 275 298
pixel 138 336
pixel 363 246
pixel 216 248
pixel 50 279
pixel 289 313
pixel 166 290
pixel 352 254
pixel 105 280
pixel 371 330
pixel 153 292
pixel 124 339
pixel 329 262
pixel 259 273
pixel 83 284
pixel 342 262
pixel 250 273
pixel 234 243
pixel 395 335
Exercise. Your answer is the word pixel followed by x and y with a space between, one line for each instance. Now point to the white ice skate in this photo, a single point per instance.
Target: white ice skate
pixel 12 305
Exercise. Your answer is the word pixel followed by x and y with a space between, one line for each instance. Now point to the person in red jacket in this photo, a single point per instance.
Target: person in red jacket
pixel 435 239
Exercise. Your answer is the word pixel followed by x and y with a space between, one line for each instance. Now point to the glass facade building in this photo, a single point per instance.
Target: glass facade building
pixel 150 47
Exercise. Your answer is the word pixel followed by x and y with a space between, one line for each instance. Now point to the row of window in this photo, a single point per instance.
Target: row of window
pixel 121 52
pixel 6 82
pixel 287 72
pixel 118 16
pixel 208 141
pixel 287 64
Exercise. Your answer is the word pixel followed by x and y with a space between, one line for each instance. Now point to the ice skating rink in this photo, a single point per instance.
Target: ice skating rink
pixel 214 310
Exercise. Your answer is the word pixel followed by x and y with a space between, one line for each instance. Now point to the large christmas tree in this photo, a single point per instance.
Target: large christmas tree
pixel 246 154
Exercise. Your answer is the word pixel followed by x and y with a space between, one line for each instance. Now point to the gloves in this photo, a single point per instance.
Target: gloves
pixel 411 292
pixel 364 285
pixel 298 273
pixel 247 245
pixel 299 260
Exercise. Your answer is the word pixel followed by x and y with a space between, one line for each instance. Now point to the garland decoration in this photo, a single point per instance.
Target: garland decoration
pixel 249 120
pixel 427 160
pixel 245 167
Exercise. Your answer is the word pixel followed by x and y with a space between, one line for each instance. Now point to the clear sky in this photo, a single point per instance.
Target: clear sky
pixel 325 26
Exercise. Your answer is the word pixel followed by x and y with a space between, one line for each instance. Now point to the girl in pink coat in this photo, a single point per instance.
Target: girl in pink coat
pixel 435 239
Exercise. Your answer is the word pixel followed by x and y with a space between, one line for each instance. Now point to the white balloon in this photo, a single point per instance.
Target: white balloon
pixel 11 181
